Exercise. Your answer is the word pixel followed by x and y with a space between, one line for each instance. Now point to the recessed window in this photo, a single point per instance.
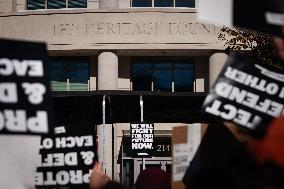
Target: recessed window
pixel 77 3
pixel 55 4
pixel 142 3
pixel 36 4
pixel 185 3
pixel 69 74
pixel 162 74
pixel 163 3
pixel 183 76
pixel 142 76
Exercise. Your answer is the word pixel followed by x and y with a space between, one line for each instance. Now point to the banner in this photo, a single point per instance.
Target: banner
pixel 246 93
pixel 142 139
pixel 67 156
pixel 260 15
pixel 275 12
pixel 25 99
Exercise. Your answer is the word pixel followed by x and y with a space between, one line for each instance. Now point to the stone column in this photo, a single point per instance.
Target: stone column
pixel 7 6
pixel 21 5
pixel 93 4
pixel 216 63
pixel 107 71
pixel 107 80
pixel 109 4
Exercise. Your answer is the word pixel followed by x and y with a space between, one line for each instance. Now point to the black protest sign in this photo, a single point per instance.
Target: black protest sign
pixel 25 97
pixel 142 139
pixel 67 156
pixel 275 12
pixel 246 93
pixel 264 17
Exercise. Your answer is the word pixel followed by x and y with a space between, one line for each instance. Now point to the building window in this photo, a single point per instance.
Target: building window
pixel 142 3
pixel 163 3
pixel 69 74
pixel 185 3
pixel 162 74
pixel 142 76
pixel 55 4
pixel 77 3
pixel 36 4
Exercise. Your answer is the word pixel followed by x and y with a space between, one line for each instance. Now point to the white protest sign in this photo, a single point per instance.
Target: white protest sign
pixel 184 152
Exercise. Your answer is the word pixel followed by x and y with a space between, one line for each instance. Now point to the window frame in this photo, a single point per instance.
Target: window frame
pixel 172 62
pixel 46 5
pixel 66 59
pixel 174 5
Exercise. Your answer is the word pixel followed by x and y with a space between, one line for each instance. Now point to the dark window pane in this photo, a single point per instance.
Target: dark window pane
pixel 162 66
pixel 183 66
pixel 183 80
pixel 163 3
pixel 75 69
pixel 162 80
pixel 77 3
pixel 185 3
pixel 141 77
pixel 162 72
pixel 141 3
pixel 35 4
pixel 56 4
pixel 141 67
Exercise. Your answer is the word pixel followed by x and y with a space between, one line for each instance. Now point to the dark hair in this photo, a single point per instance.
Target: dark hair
pixel 153 178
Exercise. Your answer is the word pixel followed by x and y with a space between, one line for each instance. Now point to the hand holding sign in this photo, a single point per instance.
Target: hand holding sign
pixel 98 178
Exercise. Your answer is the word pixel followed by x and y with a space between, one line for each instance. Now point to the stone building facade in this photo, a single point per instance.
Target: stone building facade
pixel 114 39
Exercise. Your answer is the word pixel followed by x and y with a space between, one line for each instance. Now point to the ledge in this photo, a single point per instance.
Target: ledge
pixel 83 11
pixel 123 93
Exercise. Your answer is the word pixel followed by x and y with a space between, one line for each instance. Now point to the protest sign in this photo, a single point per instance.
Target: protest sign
pixel 24 88
pixel 142 139
pixel 25 110
pixel 246 93
pixel 275 12
pixel 259 15
pixel 67 156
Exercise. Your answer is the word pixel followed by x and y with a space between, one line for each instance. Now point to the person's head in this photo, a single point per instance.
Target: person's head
pixel 153 178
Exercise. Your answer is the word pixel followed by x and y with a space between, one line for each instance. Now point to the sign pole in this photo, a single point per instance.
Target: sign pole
pixel 142 120
pixel 141 108
pixel 103 132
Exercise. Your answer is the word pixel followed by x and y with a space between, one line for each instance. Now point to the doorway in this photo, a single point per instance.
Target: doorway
pixel 164 163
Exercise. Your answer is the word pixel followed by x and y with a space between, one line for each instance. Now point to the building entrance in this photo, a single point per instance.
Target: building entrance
pixel 131 167
pixel 164 163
